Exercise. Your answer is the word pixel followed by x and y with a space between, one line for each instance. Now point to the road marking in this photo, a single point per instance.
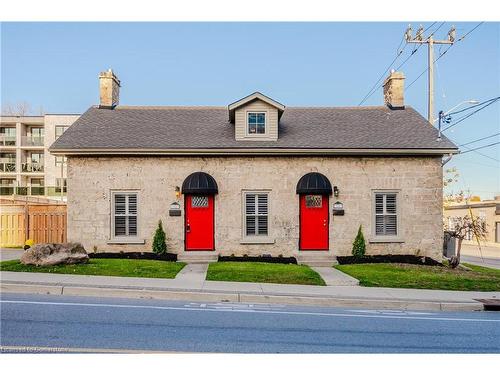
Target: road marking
pixel 249 311
pixel 392 312
pixel 47 349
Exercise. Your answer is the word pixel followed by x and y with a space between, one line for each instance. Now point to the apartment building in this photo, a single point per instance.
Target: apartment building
pixel 26 166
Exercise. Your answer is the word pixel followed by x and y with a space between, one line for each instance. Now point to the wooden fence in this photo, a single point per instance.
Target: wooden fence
pixel 41 223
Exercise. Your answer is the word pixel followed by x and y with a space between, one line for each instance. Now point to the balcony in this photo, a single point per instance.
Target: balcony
pixel 7 140
pixel 35 141
pixel 54 191
pixel 8 167
pixel 32 167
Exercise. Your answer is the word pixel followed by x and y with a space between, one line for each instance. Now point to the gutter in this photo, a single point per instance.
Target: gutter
pixel 254 152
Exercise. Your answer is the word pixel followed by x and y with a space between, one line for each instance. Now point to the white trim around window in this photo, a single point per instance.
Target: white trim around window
pixel 386 216
pixel 255 208
pixel 124 218
pixel 266 124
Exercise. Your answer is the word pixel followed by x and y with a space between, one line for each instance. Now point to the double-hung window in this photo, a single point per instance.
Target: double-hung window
pixel 256 123
pixel 386 214
pixel 124 214
pixel 256 218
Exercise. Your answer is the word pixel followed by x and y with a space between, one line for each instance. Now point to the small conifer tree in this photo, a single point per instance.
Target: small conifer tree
pixel 359 245
pixel 159 244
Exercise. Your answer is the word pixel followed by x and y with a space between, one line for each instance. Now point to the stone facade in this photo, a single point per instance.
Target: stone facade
pixel 417 179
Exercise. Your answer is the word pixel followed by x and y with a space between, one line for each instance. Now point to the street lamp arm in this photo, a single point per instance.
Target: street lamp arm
pixel 470 101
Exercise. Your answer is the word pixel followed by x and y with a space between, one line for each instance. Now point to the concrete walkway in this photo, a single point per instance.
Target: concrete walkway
pixel 10 254
pixel 193 275
pixel 334 277
pixel 189 287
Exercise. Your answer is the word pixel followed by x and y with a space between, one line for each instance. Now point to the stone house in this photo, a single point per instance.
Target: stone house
pixel 255 177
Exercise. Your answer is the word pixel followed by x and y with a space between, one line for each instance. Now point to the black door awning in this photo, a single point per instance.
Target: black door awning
pixel 314 183
pixel 199 183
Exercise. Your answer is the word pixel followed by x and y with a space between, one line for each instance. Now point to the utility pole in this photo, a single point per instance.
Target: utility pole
pixel 420 39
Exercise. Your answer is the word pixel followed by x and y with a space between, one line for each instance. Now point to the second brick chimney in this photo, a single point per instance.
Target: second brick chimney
pixel 109 90
pixel 394 90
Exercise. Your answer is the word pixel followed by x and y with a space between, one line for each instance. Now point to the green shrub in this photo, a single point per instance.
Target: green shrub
pixel 159 244
pixel 359 245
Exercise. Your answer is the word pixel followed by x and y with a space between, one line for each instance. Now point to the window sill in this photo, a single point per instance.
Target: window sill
pixel 386 240
pixel 257 240
pixel 126 241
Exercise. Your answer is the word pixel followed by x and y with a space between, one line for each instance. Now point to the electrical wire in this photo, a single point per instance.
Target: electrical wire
pixel 480 147
pixel 472 106
pixel 470 114
pixel 480 153
pixel 442 54
pixel 480 139
pixel 415 50
pixel 426 70
pixel 479 24
pixel 375 87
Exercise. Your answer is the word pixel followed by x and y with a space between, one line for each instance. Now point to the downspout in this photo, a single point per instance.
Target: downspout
pixel 446 159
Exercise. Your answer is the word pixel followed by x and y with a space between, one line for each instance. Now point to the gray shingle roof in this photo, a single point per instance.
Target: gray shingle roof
pixel 167 128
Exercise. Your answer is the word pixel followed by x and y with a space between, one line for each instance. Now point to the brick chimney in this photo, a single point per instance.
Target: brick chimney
pixel 109 90
pixel 394 90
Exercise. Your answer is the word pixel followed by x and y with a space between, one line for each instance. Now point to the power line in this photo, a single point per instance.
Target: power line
pixel 479 24
pixel 475 151
pixel 480 153
pixel 479 148
pixel 473 106
pixel 376 86
pixel 414 51
pixel 426 70
pixel 442 54
pixel 480 139
pixel 470 114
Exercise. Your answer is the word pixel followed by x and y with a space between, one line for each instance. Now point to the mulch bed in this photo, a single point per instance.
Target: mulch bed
pixel 135 255
pixel 265 259
pixel 410 259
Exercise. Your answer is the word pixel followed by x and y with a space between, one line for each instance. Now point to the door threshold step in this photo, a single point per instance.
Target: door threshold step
pixel 317 260
pixel 198 257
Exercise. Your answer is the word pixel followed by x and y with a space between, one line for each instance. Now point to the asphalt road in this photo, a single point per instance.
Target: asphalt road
pixel 485 262
pixel 55 323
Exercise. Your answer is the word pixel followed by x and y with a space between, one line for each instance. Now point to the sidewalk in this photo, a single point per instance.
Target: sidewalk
pixel 196 289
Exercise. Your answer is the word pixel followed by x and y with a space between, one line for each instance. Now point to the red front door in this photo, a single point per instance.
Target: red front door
pixel 314 222
pixel 199 222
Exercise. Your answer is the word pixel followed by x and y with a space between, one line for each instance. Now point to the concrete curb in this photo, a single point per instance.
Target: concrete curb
pixel 200 296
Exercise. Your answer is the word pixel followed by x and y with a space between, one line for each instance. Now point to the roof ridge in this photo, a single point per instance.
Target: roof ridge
pixel 169 107
pixel 204 107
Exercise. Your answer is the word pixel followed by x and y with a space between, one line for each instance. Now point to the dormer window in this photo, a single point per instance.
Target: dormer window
pixel 256 123
pixel 255 118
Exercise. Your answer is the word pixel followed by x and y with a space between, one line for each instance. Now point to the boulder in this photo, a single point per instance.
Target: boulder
pixel 50 254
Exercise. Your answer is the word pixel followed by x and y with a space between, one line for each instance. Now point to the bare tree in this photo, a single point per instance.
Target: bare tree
pixel 20 109
pixel 450 177
pixel 462 228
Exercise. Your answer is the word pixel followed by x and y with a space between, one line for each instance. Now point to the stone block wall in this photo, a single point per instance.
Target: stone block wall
pixel 418 180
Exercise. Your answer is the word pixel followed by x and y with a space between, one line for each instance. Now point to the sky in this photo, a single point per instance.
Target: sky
pixel 56 65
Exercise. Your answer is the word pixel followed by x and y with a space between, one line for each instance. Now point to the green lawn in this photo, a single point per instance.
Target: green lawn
pixel 105 267
pixel 397 275
pixel 258 272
